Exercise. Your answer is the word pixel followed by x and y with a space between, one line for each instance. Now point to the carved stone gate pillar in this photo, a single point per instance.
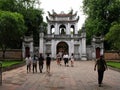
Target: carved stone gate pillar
pixel 83 56
pixel 41 42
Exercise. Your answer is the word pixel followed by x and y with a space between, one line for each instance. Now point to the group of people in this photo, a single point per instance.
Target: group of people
pixel 32 62
pixel 66 58
pixel 100 64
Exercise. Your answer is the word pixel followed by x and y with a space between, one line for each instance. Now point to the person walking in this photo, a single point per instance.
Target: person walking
pixel 66 57
pixel 61 56
pixel 58 59
pixel 72 60
pixel 48 62
pixel 28 63
pixel 41 62
pixel 101 67
pixel 34 62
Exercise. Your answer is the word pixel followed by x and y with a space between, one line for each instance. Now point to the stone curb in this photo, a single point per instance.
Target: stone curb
pixel 116 69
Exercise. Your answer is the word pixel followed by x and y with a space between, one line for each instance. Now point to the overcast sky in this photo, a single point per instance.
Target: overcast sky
pixel 63 5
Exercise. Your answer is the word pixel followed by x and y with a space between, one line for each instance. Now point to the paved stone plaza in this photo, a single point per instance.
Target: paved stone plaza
pixel 80 77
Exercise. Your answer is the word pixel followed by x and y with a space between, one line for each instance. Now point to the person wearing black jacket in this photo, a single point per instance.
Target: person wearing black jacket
pixel 41 62
pixel 101 67
pixel 48 62
pixel 34 63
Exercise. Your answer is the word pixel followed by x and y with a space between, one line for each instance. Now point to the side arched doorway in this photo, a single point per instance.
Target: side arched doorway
pixel 27 51
pixel 62 47
pixel 97 52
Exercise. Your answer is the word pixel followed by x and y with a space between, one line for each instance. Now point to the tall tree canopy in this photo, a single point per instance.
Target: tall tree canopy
pixel 114 36
pixel 32 15
pixel 100 15
pixel 12 28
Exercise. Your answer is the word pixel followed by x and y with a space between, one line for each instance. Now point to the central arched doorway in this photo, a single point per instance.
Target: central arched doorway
pixel 62 47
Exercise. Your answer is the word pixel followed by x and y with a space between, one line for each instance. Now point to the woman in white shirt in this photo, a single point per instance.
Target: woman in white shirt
pixel 28 63
pixel 65 57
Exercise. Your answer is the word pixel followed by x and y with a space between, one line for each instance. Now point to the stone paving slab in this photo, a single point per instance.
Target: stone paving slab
pixel 80 77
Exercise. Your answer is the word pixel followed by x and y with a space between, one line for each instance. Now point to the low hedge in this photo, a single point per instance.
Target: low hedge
pixel 8 65
pixel 114 64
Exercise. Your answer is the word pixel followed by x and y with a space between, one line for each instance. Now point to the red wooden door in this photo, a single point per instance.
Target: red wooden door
pixel 27 51
pixel 97 52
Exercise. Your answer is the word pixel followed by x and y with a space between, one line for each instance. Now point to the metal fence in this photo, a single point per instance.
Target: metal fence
pixel 0 73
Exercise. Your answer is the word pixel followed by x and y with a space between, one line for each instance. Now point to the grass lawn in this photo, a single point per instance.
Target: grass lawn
pixel 114 64
pixel 10 63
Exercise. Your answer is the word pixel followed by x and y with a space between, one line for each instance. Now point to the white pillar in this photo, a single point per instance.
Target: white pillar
pixel 71 49
pixel 76 28
pixel 68 29
pixel 56 29
pixel 84 56
pixel 80 48
pixel 23 50
pixel 48 29
pixel 31 49
pixel 101 51
pixel 53 49
pixel 93 53
pixel 41 45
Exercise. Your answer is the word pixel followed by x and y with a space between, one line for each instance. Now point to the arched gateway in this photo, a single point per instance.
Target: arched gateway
pixel 62 35
pixel 62 47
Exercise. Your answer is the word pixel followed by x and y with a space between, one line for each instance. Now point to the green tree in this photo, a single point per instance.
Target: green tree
pixel 8 5
pixel 32 15
pixel 12 28
pixel 33 19
pixel 44 24
pixel 114 36
pixel 100 15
